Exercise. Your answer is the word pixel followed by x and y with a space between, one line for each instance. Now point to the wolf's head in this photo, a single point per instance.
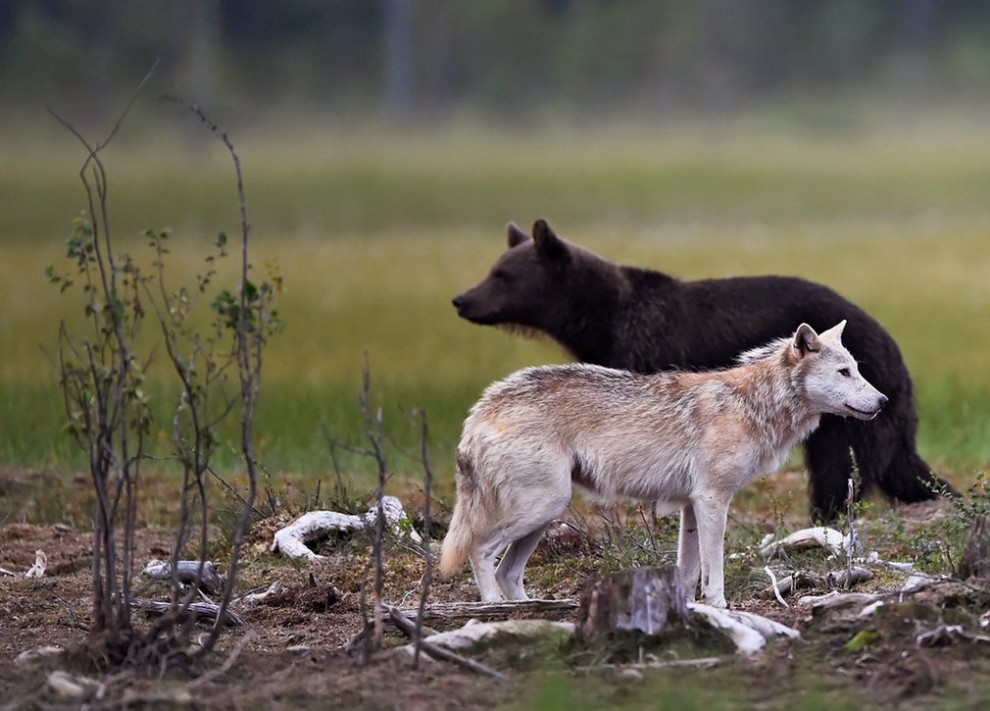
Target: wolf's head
pixel 828 376
pixel 539 282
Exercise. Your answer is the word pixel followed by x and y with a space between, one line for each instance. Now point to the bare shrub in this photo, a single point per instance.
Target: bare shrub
pixel 218 370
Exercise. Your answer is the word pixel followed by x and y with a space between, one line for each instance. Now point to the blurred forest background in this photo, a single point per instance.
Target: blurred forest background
pixel 386 143
pixel 507 58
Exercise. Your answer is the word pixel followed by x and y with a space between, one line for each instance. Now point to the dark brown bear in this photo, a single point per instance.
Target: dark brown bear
pixel 643 320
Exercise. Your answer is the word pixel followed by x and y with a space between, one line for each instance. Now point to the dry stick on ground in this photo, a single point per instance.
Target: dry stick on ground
pixel 191 611
pixel 489 610
pixel 851 547
pixel 409 629
pixel 427 553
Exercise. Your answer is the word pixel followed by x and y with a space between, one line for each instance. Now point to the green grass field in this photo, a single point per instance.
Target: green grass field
pixel 374 230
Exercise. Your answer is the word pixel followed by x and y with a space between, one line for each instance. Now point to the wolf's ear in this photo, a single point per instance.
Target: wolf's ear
pixel 806 341
pixel 515 235
pixel 834 332
pixel 548 245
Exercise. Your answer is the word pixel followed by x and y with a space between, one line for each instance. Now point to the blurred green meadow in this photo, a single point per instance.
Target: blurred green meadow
pixel 375 228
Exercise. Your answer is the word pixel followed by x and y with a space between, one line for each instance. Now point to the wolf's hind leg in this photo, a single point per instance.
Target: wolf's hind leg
pixel 688 554
pixel 484 574
pixel 506 535
pixel 509 574
pixel 483 564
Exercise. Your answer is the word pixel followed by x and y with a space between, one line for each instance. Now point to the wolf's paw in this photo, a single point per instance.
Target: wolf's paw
pixel 717 602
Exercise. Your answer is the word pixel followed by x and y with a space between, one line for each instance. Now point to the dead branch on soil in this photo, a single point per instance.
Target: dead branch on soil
pixel 774 586
pixel 192 572
pixel 814 537
pixel 804 580
pixel 698 663
pixel 194 611
pixel 291 540
pixel 37 570
pixel 409 629
pixel 252 598
pixel 491 610
pixel 946 634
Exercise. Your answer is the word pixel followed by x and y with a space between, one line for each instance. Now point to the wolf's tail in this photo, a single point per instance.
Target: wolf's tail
pixel 474 514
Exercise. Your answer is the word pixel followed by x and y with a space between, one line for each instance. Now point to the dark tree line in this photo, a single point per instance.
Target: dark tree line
pixel 503 56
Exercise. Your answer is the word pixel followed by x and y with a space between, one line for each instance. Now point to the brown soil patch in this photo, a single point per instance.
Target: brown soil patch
pixel 297 659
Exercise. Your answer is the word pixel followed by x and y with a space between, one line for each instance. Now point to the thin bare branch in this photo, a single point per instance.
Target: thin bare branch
pixel 427 552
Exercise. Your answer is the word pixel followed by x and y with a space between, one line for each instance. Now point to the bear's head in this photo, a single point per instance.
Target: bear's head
pixel 524 282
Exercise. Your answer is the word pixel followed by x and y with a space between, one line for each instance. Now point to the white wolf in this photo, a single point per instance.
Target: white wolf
pixel 686 440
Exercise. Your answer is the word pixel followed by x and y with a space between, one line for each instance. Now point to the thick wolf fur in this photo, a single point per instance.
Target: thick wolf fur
pixel 646 321
pixel 686 440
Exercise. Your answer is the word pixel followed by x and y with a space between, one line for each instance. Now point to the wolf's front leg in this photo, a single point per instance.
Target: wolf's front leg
pixel 688 559
pixel 711 513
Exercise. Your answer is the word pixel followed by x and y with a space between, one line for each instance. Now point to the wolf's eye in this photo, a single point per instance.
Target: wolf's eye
pixel 844 372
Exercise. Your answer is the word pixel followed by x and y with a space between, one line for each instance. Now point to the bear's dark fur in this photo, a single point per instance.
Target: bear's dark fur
pixel 643 320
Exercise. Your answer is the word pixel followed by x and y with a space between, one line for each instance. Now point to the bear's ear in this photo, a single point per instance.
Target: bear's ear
pixel 515 235
pixel 548 245
pixel 806 341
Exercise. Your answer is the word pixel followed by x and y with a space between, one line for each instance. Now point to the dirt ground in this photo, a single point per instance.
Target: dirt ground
pixel 296 657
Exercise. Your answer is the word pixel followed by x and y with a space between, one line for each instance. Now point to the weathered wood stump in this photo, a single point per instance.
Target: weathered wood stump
pixel 633 605
pixel 637 612
pixel 975 561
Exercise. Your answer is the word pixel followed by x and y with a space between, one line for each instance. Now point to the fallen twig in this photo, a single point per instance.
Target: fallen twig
pixel 40 563
pixel 815 537
pixel 849 577
pixel 186 571
pixel 291 540
pixel 749 632
pixel 199 610
pixel 467 610
pixel 945 634
pixel 408 628
pixel 702 662
pixel 773 584
pixel 252 598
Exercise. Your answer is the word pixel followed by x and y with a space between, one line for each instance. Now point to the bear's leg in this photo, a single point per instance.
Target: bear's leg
pixel 908 478
pixel 830 464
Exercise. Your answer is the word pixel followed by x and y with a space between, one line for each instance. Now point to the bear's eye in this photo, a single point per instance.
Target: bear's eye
pixel 844 372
